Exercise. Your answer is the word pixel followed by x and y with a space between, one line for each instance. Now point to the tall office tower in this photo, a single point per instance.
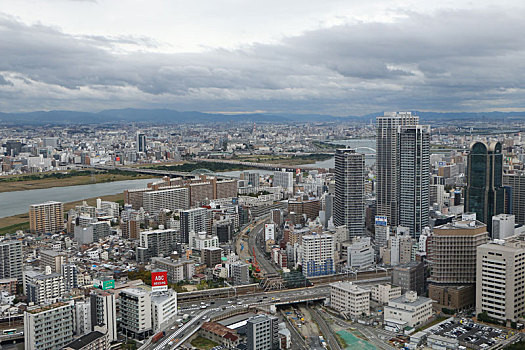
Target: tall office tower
pixel 349 207
pixel 192 220
pixel 262 333
pixel 318 257
pixel 104 312
pixel 11 260
pixel 135 312
pixel 516 182
pixel 499 279
pixel 414 177
pixel 485 194
pixel 387 163
pixel 49 327
pixel 451 252
pixel 141 142
pixel 46 217
pixel 283 179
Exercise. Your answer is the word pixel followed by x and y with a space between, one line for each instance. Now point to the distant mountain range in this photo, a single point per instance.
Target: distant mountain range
pixel 164 116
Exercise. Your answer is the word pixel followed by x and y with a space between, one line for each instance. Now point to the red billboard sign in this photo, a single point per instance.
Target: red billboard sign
pixel 159 280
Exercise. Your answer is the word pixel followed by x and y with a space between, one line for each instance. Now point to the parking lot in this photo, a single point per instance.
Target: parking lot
pixel 470 334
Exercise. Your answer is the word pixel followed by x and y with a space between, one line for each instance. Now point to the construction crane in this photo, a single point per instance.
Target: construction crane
pixel 255 265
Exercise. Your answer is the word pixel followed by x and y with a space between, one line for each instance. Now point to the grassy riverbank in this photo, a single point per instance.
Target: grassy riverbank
pixel 62 179
pixel 287 160
pixel 13 223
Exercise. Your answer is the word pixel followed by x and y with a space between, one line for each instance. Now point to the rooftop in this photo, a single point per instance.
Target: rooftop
pixel 84 340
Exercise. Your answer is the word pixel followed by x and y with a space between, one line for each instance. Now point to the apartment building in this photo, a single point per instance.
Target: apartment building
pixel 262 333
pixel 178 270
pixel 135 312
pixel 43 288
pixel 52 258
pixel 156 243
pixel 318 255
pixel 172 199
pixel 46 217
pixel 50 327
pixel 11 260
pixel 104 312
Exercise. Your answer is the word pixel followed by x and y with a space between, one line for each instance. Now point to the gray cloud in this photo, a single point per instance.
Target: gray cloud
pixel 451 60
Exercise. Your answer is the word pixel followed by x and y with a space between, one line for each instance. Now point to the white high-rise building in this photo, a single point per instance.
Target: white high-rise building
pixel 500 282
pixel 50 327
pixel 318 255
pixel 171 199
pixel 349 207
pixel 283 179
pixel 361 253
pixel 135 312
pixel 163 308
pixel 82 317
pixel 503 226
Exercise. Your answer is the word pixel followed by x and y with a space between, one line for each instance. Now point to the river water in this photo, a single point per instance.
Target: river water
pixel 18 202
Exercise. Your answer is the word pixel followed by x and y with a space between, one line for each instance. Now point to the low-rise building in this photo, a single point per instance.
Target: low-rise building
pixel 350 299
pixel 92 341
pixel 383 293
pixel 409 310
pixel 220 334
pixel 178 270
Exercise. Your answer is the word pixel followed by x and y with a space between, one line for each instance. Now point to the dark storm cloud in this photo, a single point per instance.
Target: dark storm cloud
pixel 446 61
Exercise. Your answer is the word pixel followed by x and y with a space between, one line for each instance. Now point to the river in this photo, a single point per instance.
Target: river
pixel 18 202
pixel 365 146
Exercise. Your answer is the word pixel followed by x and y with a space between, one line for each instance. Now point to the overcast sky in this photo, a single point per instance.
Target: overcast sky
pixel 336 57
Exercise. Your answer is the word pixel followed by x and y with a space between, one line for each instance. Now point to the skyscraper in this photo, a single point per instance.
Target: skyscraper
pixel 516 182
pixel 485 194
pixel 387 163
pixel 349 191
pixel 141 142
pixel 414 177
